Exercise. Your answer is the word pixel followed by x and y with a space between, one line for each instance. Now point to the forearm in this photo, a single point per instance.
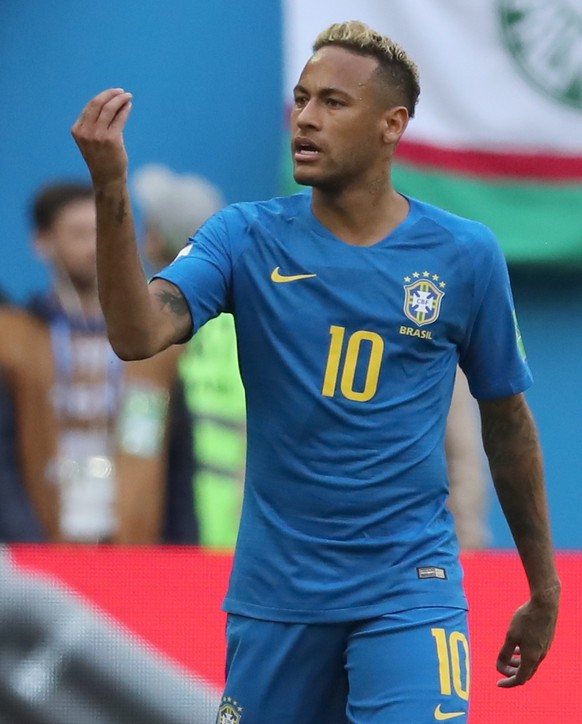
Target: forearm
pixel 512 445
pixel 123 289
pixel 141 321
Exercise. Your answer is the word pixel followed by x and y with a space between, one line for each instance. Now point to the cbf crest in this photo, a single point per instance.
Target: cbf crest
pixel 230 711
pixel 423 293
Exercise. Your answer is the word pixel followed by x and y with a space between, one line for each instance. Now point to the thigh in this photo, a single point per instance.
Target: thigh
pixel 288 673
pixel 409 667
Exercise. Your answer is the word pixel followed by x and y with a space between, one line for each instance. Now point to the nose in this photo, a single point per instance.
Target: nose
pixel 307 116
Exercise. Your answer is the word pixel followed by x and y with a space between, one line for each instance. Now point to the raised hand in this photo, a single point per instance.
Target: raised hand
pixel 98 133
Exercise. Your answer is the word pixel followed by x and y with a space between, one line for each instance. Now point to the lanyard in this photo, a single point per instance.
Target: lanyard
pixel 62 345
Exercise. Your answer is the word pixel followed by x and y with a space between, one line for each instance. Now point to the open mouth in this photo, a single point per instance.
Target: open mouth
pixel 305 150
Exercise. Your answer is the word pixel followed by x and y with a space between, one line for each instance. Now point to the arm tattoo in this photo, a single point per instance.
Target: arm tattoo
pixel 174 301
pixel 508 430
pixel 511 442
pixel 121 212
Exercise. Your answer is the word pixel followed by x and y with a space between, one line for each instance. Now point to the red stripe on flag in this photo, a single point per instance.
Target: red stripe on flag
pixel 532 166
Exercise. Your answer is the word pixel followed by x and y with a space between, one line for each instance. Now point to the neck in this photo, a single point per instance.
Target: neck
pixel 78 301
pixel 360 216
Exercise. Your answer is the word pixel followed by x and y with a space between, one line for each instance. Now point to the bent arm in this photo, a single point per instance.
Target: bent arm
pixel 512 445
pixel 466 467
pixel 141 320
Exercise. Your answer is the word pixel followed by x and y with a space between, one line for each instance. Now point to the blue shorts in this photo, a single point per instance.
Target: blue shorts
pixel 410 667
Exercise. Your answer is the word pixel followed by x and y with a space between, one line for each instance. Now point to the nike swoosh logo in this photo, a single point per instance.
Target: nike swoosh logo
pixel 445 716
pixel 279 278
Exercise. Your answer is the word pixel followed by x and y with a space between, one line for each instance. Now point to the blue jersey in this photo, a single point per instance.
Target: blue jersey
pixel 348 356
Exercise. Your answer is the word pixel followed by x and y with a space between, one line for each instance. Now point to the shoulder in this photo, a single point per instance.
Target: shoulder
pixel 28 335
pixel 283 208
pixel 464 231
pixel 469 246
pixel 18 321
pixel 238 226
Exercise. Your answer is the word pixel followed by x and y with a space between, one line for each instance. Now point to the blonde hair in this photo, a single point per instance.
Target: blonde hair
pixel 398 73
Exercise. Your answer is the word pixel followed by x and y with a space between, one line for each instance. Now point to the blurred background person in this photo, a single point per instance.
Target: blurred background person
pixel 174 207
pixel 92 432
pixel 467 466
pixel 18 520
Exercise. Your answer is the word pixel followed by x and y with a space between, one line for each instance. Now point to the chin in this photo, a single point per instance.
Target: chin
pixel 304 177
pixel 317 180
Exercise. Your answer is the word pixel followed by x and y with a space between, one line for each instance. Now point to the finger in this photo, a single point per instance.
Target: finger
pixel 120 118
pixel 508 651
pixel 508 662
pixel 513 663
pixel 508 683
pixel 519 678
pixel 111 108
pixel 518 671
pixel 527 667
pixel 508 669
pixel 93 109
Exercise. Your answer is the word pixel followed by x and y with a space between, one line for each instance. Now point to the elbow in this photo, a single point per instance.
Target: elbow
pixel 126 354
pixel 130 350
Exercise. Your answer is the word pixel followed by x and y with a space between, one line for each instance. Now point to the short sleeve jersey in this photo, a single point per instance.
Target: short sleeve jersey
pixel 348 356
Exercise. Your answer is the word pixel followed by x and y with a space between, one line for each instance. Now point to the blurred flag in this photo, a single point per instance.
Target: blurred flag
pixel 498 132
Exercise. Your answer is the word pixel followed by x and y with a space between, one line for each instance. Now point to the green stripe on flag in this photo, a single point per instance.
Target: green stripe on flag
pixel 534 222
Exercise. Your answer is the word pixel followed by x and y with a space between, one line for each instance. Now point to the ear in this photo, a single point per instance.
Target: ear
pixel 395 123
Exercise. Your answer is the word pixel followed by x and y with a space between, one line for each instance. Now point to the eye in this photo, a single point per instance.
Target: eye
pixel 334 103
pixel 300 101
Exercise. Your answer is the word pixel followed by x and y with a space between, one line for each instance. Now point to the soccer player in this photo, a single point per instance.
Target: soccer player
pixel 353 306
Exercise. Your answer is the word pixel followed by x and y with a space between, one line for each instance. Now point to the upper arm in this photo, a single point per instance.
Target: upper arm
pixel 203 273
pixel 175 320
pixel 491 353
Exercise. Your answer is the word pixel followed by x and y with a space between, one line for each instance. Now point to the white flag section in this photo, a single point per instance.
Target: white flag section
pixel 498 131
pixel 475 92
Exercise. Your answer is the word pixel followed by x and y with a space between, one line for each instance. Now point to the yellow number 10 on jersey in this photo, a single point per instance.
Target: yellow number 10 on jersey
pixel 454 667
pixel 353 351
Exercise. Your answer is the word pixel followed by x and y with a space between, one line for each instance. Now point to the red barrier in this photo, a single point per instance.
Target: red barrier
pixel 171 598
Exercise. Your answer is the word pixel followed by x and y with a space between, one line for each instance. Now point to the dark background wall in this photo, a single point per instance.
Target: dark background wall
pixel 207 85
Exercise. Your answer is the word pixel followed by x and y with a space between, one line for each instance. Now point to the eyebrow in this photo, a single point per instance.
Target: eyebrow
pixel 327 91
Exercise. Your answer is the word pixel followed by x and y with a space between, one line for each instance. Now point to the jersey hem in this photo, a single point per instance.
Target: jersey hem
pixel 284 615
